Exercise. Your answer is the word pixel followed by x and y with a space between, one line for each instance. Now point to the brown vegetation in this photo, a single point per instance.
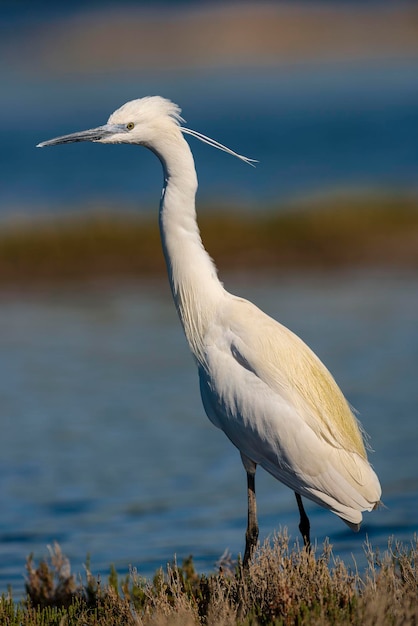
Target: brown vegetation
pixel 282 586
pixel 124 37
pixel 381 232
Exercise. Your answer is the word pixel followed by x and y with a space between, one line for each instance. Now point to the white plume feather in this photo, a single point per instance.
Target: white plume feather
pixel 216 144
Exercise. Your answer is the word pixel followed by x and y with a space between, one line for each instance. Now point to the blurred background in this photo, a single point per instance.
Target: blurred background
pixel 105 446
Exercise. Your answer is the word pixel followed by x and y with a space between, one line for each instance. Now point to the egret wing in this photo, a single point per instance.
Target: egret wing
pixel 290 368
pixel 282 409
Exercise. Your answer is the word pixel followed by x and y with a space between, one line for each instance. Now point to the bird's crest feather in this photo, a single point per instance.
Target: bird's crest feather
pixel 217 145
pixel 150 106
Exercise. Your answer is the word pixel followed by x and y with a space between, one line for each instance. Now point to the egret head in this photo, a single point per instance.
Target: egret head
pixel 138 121
pixel 146 122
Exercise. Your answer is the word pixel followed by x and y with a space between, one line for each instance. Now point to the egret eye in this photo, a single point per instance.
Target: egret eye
pixel 130 126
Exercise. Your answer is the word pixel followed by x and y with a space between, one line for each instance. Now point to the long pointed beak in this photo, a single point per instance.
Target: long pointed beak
pixel 93 134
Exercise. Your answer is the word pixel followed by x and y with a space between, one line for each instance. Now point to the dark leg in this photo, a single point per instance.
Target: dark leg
pixel 251 536
pixel 304 525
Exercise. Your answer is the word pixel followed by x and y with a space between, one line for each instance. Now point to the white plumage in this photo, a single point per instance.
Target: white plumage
pixel 259 382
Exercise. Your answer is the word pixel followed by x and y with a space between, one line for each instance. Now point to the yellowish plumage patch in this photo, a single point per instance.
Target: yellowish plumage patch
pixel 287 365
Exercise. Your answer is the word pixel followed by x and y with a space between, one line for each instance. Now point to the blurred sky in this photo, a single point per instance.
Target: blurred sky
pixel 324 94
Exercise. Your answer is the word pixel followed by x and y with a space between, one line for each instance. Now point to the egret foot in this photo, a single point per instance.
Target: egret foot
pixel 304 525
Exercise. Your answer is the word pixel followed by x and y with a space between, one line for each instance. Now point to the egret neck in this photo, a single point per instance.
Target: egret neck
pixel 192 274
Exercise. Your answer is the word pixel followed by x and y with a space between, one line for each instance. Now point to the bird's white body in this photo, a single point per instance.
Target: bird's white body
pixel 264 388
pixel 259 382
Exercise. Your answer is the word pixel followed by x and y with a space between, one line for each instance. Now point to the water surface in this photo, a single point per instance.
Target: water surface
pixel 105 446
pixel 315 129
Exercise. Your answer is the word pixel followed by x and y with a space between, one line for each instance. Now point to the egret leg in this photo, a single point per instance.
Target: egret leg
pixel 304 525
pixel 251 536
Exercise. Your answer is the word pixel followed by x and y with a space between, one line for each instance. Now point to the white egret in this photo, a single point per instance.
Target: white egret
pixel 259 382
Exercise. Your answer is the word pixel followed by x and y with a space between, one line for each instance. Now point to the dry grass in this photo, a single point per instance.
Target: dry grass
pixel 283 586
pixel 356 232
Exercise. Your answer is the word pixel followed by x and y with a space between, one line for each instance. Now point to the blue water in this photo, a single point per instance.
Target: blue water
pixel 315 129
pixel 105 446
